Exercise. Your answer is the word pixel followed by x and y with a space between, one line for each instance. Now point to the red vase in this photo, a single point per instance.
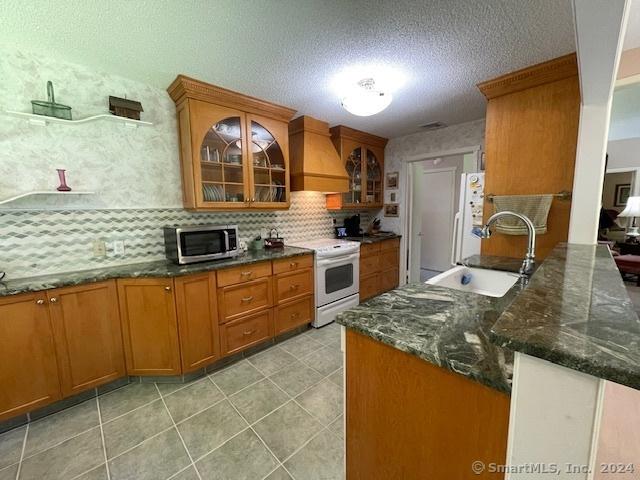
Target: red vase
pixel 63 181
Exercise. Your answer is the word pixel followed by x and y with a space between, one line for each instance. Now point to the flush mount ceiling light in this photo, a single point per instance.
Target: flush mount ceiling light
pixel 366 100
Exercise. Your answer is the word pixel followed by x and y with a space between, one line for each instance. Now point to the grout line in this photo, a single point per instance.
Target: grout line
pixel 184 445
pixel 87 471
pixel 104 444
pixel 24 446
pixel 61 442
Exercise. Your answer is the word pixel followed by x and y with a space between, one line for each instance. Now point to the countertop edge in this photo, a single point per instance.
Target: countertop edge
pixel 48 282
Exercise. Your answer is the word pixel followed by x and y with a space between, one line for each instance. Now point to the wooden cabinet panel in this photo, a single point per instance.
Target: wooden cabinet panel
pixel 369 265
pixel 295 314
pixel 369 287
pixel 87 333
pixel 465 421
pixel 530 143
pixel 293 285
pixel 389 259
pixel 28 366
pixel 284 265
pixel 246 332
pixel 367 249
pixel 243 273
pixel 239 300
pixel 197 310
pixel 389 280
pixel 392 244
pixel 150 330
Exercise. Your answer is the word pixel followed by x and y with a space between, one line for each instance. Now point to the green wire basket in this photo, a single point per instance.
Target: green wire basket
pixel 51 108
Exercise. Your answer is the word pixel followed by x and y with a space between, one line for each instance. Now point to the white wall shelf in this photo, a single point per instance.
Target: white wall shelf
pixel 43 192
pixel 43 120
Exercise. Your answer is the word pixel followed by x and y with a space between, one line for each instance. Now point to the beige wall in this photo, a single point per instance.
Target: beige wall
pixel 609 188
pixel 619 439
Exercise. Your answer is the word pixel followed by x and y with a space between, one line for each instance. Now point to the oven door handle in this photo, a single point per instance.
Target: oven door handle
pixel 338 260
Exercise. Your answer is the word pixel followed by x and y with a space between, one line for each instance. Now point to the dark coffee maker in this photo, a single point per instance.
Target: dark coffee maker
pixel 352 224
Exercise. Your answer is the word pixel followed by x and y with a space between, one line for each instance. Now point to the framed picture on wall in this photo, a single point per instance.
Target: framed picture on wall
pixel 391 210
pixel 623 191
pixel 392 180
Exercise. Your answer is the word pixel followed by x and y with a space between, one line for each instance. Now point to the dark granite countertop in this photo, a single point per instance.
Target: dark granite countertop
pixel 374 239
pixel 161 268
pixel 576 313
pixel 445 327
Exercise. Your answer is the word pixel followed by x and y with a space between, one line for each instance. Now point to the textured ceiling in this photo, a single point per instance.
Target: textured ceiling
pixel 290 51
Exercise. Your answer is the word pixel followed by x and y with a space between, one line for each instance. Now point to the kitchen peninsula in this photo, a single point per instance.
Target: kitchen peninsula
pixel 437 375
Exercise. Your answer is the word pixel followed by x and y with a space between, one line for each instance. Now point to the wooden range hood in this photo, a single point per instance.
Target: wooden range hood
pixel 315 164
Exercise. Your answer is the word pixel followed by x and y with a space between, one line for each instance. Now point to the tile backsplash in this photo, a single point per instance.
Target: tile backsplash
pixel 39 242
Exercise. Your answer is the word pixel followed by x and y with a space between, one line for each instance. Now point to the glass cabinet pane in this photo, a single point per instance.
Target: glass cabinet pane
pixel 267 161
pixel 354 170
pixel 374 179
pixel 221 162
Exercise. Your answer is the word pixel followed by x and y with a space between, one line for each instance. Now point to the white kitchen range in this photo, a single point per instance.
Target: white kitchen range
pixel 337 272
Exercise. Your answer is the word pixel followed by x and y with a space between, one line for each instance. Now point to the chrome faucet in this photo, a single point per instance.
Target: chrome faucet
pixel 529 261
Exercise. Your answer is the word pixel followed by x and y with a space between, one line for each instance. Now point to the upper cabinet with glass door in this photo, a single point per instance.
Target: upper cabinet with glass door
pixel 234 148
pixel 363 156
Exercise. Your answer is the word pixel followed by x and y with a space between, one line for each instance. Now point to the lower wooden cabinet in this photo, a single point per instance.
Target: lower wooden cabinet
pixel 239 300
pixel 294 314
pixel 88 338
pixel 197 310
pixel 379 267
pixel 28 364
pixel 246 332
pixel 149 326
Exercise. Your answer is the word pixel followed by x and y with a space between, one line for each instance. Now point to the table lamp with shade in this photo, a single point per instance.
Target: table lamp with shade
pixel 632 210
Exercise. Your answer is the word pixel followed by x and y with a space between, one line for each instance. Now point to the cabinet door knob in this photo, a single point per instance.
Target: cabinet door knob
pixel 39 302
pixel 247 299
pixel 53 299
pixel 245 274
pixel 295 315
pixel 293 264
pixel 246 333
pixel 294 287
pixel 253 199
pixel 167 288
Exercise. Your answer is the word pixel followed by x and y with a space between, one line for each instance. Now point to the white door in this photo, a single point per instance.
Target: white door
pixel 437 199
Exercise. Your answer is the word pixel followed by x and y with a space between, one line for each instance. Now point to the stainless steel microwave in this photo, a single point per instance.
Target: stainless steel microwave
pixel 200 243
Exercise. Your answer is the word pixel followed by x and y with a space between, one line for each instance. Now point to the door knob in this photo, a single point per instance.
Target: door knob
pixel 53 299
pixel 39 302
pixel 167 288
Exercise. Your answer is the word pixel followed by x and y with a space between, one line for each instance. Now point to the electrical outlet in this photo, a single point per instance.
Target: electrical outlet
pixel 118 247
pixel 99 248
pixel 243 245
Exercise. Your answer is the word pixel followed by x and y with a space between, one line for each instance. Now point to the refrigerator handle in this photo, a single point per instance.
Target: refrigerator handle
pixel 456 221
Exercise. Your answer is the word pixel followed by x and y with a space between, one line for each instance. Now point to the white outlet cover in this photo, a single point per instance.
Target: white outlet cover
pixel 118 247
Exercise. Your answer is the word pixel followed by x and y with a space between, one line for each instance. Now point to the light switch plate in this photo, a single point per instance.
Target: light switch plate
pixel 99 248
pixel 118 247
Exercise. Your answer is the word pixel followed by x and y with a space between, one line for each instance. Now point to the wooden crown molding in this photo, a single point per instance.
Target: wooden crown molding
pixel 184 87
pixel 342 131
pixel 546 72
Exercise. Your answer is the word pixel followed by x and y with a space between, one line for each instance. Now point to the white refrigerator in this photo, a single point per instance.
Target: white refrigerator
pixel 469 215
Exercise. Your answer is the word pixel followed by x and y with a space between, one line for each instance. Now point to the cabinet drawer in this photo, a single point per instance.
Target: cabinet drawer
pixel 246 332
pixel 389 280
pixel 292 264
pixel 243 273
pixel 243 299
pixel 389 260
pixel 393 244
pixel 294 314
pixel 367 249
pixel 369 265
pixel 369 287
pixel 293 285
